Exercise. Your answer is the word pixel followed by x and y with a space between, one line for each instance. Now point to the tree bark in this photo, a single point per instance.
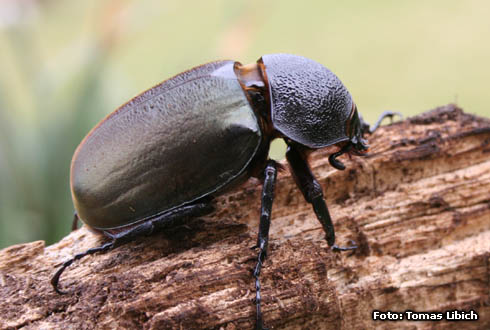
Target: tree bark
pixel 418 207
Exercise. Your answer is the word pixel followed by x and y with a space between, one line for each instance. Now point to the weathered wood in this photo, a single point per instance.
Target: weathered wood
pixel 418 206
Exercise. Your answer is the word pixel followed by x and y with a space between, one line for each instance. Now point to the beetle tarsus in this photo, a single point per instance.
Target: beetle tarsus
pixel 270 175
pixel 55 279
pixel 336 248
pixel 145 228
pixel 332 159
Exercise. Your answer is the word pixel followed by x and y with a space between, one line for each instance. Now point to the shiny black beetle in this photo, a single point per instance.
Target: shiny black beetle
pixel 163 155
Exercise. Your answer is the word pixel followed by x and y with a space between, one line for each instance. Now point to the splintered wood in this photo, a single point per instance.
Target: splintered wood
pixel 418 207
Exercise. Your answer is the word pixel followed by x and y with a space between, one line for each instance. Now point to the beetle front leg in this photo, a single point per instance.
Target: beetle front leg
pixel 270 175
pixel 313 193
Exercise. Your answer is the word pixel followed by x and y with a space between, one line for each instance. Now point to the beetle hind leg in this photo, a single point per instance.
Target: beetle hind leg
pixel 146 227
pixel 196 209
pixel 56 278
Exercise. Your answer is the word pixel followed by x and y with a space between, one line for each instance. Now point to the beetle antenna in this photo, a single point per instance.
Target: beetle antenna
pixel 56 278
pixel 385 114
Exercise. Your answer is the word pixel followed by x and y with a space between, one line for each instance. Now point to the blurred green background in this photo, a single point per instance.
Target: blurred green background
pixel 65 64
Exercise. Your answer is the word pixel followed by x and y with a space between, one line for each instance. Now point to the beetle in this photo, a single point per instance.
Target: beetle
pixel 164 155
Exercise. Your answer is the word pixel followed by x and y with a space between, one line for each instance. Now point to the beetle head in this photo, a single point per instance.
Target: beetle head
pixel 309 104
pixel 356 127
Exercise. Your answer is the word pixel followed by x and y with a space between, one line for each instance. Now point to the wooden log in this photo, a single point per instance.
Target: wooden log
pixel 418 206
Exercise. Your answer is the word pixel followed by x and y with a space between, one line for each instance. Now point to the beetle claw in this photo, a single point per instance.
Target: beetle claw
pixel 58 291
pixel 332 159
pixel 336 248
pixel 56 278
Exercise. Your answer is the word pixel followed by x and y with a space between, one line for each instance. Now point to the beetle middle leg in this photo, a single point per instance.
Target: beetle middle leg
pixel 270 175
pixel 145 227
pixel 74 223
pixel 313 194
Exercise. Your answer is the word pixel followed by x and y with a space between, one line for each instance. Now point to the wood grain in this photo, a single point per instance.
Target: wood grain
pixel 418 206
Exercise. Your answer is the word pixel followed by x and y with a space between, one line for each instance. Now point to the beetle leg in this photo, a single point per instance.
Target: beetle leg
pixel 55 279
pixel 144 228
pixel 332 159
pixel 197 209
pixel 313 194
pixel 263 236
pixel 74 224
pixel 366 128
